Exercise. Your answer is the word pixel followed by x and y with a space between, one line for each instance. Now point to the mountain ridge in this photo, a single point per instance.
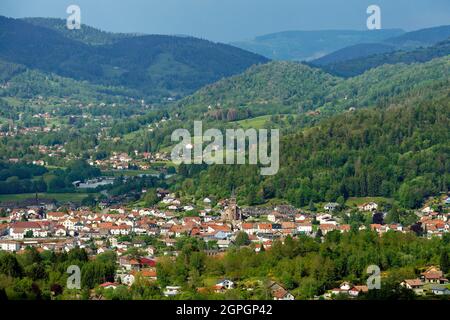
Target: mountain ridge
pixel 157 66
pixel 310 45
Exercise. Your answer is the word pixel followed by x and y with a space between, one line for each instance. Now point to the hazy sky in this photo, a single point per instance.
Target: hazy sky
pixel 229 20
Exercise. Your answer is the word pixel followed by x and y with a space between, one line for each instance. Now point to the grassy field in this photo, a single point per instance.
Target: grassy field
pixel 256 123
pixel 60 197
pixel 358 201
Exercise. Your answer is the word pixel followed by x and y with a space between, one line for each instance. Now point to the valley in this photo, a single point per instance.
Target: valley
pixel 87 178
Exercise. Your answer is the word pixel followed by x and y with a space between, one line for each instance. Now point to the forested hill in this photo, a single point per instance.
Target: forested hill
pixel 400 151
pixel 420 38
pixel 356 59
pixel 359 65
pixel 290 84
pixel 21 82
pixel 86 34
pixel 291 87
pixel 157 66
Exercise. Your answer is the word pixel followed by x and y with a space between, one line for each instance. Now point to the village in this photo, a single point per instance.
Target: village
pixel 218 224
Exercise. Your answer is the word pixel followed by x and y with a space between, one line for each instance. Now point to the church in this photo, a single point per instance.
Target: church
pixel 232 211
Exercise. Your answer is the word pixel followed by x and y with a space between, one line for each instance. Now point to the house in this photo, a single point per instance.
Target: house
pixel 264 227
pixel 331 206
pixel 172 291
pixel 123 229
pixel 344 288
pixel 19 230
pixel 440 290
pixel 371 206
pixel 345 285
pixel 304 227
pixel 148 273
pixel 279 292
pixel 327 227
pixel 69 223
pixel 248 228
pixel 223 243
pixel 109 285
pixel 282 294
pixel 129 264
pixel 8 245
pixel 415 285
pixel 128 279
pixel 56 216
pixel 60 231
pixel 433 275
pixel 275 216
pixel 225 283
pixel 357 290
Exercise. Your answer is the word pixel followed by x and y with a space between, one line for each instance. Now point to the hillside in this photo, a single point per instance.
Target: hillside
pixel 154 65
pixel 274 84
pixel 86 34
pixel 410 41
pixel 310 45
pixel 353 52
pixel 353 67
pixel 21 82
pixel 295 88
pixel 400 151
pixel 420 38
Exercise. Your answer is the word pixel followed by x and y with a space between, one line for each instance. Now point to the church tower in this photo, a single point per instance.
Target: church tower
pixel 231 212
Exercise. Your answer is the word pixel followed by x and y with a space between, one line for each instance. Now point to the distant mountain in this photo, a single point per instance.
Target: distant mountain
pixel 85 34
pixel 156 66
pixel 310 45
pixel 420 38
pixel 405 42
pixel 353 67
pixel 354 52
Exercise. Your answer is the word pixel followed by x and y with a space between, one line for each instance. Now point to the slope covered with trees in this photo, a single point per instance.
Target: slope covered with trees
pixel 155 65
pixel 270 86
pixel 85 34
pixel 21 82
pixel 398 151
pixel 291 87
pixel 354 66
pixel 404 42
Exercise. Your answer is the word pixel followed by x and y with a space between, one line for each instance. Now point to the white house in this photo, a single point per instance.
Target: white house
pixel 371 206
pixel 440 290
pixel 331 206
pixel 172 291
pixel 413 284
pixel 8 245
pixel 304 227
pixel 60 232
pixel 18 230
pixel 225 283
